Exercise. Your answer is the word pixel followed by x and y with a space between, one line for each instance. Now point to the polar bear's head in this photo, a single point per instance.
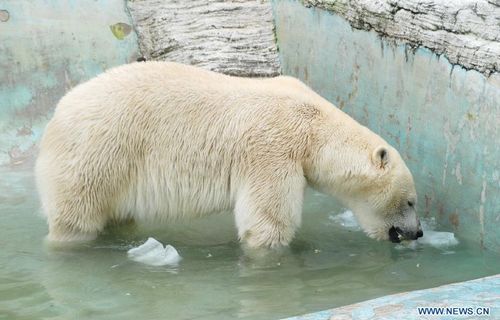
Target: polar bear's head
pixel 376 185
pixel 385 205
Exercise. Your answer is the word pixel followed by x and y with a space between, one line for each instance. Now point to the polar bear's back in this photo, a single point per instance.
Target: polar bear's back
pixel 158 140
pixel 145 94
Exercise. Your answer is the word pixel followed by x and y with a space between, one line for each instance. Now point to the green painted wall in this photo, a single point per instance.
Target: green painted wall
pixel 444 120
pixel 46 48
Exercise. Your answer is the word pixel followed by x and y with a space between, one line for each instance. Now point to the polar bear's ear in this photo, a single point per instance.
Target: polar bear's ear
pixel 380 157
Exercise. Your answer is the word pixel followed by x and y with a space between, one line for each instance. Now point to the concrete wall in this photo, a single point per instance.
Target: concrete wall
pixel 47 47
pixel 444 119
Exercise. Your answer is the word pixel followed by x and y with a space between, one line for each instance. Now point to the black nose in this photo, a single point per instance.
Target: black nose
pixel 420 234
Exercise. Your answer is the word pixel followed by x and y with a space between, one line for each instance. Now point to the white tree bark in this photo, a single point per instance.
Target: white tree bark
pixel 467 32
pixel 235 37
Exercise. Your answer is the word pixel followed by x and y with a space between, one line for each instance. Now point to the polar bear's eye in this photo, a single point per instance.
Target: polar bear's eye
pixel 411 203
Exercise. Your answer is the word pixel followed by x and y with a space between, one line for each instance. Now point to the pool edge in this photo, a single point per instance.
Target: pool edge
pixel 478 293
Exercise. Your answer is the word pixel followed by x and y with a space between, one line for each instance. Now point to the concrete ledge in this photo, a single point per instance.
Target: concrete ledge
pixel 465 31
pixel 480 293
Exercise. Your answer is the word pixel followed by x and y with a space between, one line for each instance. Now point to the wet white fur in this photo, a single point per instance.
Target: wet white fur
pixel 156 141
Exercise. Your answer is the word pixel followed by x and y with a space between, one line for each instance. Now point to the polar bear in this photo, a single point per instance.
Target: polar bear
pixel 158 141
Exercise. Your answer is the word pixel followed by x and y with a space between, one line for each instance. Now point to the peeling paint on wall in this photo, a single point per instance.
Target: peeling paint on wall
pixel 46 48
pixel 481 212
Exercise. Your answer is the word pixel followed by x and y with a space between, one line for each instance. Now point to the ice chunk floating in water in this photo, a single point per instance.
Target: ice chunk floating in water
pixel 438 239
pixel 153 253
pixel 346 219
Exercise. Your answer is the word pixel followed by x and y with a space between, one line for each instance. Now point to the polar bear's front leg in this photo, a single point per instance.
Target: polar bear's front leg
pixel 268 210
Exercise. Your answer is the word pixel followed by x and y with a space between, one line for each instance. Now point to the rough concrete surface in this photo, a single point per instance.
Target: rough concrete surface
pixel 234 37
pixel 467 32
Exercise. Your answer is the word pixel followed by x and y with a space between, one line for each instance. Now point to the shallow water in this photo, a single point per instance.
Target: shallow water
pixel 326 266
